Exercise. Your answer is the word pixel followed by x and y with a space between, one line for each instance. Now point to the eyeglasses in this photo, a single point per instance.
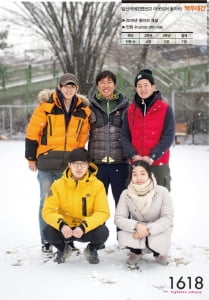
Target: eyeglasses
pixel 80 164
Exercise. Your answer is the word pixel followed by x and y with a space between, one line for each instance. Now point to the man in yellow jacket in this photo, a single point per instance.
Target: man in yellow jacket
pixel 76 209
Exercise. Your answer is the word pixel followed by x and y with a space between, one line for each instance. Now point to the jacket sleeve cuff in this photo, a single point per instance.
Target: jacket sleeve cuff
pixel 153 157
pixel 132 154
pixel 82 228
pixel 61 224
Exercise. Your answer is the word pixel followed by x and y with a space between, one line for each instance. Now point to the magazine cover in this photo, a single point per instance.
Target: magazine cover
pixel 126 216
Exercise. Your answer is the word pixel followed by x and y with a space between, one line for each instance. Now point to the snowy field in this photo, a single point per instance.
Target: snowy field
pixel 24 276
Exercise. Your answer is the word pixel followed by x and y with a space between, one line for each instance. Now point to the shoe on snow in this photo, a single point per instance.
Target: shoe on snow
pixel 60 256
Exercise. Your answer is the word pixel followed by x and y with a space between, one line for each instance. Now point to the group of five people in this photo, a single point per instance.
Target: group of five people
pixel 128 148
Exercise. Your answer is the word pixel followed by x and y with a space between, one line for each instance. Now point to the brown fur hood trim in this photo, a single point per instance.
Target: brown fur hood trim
pixel 45 94
pixel 84 99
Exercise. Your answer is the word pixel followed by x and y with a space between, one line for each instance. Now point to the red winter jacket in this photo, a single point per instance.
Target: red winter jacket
pixel 146 130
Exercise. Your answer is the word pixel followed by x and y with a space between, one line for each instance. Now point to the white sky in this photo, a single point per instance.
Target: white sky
pixel 22 38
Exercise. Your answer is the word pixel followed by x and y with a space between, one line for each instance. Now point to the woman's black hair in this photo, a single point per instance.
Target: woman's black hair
pixel 141 163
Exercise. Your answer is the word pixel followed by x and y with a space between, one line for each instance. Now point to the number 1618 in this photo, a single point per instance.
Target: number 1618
pixel 188 283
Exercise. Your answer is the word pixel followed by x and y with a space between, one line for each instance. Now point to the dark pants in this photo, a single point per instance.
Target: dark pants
pixel 96 237
pixel 162 175
pixel 115 175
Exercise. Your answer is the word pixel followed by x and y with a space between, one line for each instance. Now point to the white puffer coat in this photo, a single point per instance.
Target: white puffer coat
pixel 158 218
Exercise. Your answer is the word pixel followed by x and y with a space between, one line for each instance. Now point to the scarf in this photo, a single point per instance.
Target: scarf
pixel 142 194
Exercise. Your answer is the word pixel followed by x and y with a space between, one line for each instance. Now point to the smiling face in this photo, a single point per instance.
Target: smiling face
pixel 139 175
pixel 69 91
pixel 106 87
pixel 144 88
pixel 78 169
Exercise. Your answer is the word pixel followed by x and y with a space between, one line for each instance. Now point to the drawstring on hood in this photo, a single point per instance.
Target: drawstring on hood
pixel 145 108
pixel 145 104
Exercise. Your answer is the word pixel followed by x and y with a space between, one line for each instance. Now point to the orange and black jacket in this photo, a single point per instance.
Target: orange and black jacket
pixel 52 128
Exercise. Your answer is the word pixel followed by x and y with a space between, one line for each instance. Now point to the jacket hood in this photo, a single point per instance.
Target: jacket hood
pixel 47 95
pixel 154 97
pixel 121 99
pixel 44 95
pixel 117 95
pixel 90 174
pixel 58 99
pixel 148 101
pixel 84 99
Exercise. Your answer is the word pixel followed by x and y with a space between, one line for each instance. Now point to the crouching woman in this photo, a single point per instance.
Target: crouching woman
pixel 144 216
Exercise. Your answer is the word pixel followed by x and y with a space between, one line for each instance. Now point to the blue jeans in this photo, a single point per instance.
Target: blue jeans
pixel 45 178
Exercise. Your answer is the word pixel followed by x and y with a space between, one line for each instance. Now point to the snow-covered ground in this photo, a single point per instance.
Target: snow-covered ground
pixel 24 276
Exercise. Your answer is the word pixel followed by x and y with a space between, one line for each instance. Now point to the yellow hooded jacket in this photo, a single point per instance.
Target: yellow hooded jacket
pixel 77 202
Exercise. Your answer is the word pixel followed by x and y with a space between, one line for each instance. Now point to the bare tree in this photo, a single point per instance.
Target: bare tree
pixel 80 33
pixel 3 39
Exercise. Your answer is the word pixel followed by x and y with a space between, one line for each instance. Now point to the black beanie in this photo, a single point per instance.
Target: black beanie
pixel 144 74
pixel 79 154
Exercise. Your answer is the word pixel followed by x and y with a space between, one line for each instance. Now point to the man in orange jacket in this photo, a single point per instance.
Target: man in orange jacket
pixel 57 126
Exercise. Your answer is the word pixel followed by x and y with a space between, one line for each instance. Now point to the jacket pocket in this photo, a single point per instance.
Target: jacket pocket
pixel 53 160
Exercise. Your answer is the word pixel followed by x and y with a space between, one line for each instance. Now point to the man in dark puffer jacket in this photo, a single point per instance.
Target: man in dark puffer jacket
pixel 108 107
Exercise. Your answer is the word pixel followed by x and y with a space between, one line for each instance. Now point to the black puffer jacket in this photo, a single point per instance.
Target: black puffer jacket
pixel 104 141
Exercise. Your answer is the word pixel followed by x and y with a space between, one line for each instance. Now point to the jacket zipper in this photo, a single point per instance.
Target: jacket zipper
pixel 108 122
pixel 84 208
pixel 50 126
pixel 78 131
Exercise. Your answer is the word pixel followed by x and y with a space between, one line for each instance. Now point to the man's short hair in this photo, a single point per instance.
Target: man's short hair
pixel 78 154
pixel 105 74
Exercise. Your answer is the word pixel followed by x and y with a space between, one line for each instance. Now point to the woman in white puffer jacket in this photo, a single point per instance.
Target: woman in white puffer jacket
pixel 144 216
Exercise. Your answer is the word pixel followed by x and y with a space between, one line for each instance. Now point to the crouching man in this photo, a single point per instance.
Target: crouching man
pixel 76 209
